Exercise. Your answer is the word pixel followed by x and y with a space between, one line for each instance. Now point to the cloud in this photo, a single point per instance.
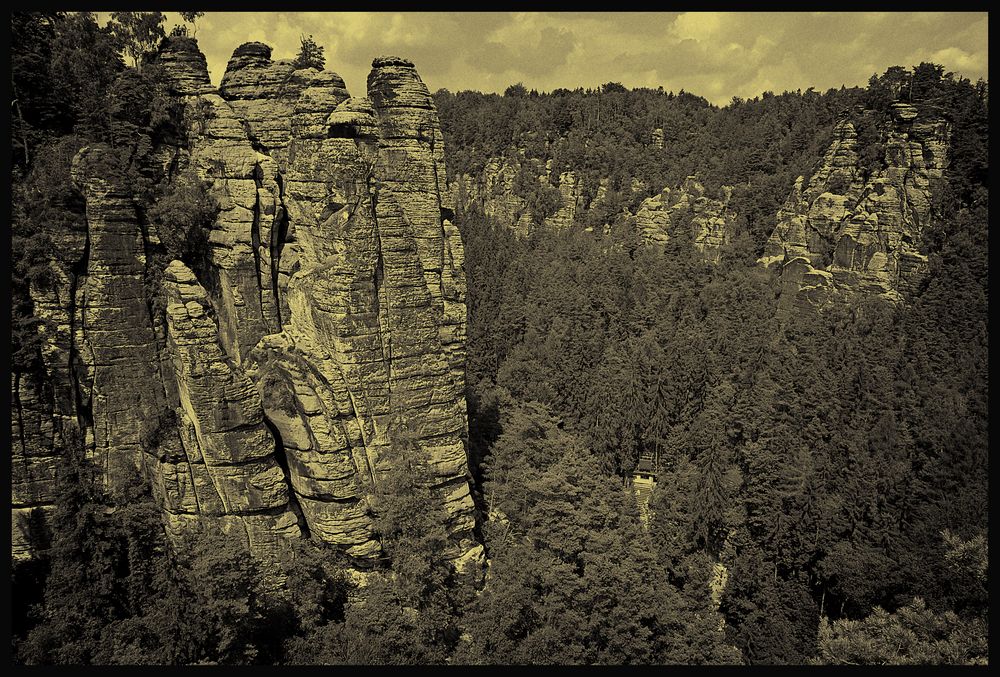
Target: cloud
pixel 534 54
pixel 717 55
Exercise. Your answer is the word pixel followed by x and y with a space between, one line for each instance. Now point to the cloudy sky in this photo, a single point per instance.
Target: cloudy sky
pixel 715 55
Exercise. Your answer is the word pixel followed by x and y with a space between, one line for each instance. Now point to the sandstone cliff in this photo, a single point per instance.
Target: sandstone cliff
pixel 328 308
pixel 844 232
pixel 710 221
pixel 494 193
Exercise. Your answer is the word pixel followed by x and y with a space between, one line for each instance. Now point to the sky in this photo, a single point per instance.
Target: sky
pixel 717 55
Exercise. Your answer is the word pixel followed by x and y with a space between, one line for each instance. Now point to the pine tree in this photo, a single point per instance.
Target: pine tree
pixel 310 54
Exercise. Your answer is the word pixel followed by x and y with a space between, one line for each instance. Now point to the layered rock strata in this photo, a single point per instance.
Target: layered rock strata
pixel 327 313
pixel 844 232
pixel 709 221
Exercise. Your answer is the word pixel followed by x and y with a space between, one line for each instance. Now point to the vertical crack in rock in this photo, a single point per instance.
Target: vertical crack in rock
pixel 845 233
pixel 382 308
pixel 282 458
pixel 255 240
pixel 272 382
pixel 222 422
pixel 279 233
pixel 116 320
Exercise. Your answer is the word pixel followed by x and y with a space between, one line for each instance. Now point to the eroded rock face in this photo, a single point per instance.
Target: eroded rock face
pixel 328 309
pixel 36 451
pixel 572 201
pixel 185 67
pixel 225 466
pixel 116 324
pixel 492 192
pixel 710 221
pixel 844 233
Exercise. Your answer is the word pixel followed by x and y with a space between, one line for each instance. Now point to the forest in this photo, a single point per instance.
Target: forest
pixel 822 485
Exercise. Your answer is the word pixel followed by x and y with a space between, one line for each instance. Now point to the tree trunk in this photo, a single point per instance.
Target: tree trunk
pixel 24 134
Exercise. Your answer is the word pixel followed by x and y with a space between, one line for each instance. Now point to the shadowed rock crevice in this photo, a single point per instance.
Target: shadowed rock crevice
pixel 330 300
pixel 854 229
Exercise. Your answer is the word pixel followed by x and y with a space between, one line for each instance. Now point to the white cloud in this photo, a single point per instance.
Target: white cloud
pixel 714 54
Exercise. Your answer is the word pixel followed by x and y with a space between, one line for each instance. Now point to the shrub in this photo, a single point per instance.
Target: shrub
pixel 183 216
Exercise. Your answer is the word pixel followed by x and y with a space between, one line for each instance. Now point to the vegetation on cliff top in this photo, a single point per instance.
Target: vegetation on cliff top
pixel 833 466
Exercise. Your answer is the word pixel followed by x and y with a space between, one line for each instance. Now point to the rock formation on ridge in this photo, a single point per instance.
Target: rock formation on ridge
pixel 329 307
pixel 710 220
pixel 845 232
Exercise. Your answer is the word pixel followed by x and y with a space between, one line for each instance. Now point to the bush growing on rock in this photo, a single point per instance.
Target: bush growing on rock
pixel 183 216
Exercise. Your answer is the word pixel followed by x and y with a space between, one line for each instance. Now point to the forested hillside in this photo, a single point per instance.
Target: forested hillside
pixel 821 473
pixel 832 463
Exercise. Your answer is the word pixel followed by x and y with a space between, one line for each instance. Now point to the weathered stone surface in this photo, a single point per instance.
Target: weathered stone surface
pixel 710 221
pixel 184 65
pixel 328 309
pixel 35 456
pixel 263 93
pixel 244 182
pixel 656 138
pixel 842 234
pixel 117 328
pixel 492 193
pixel 221 428
pixel 375 321
pixel 572 202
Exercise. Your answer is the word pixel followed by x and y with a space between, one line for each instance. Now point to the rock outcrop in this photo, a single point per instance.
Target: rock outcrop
pixel 573 201
pixel 36 452
pixel 845 232
pixel 327 313
pixel 709 221
pixel 118 340
pixel 492 193
pixel 219 462
pixel 657 218
pixel 656 138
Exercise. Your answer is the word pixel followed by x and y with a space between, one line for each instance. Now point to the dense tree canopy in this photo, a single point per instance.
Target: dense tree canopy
pixel 822 478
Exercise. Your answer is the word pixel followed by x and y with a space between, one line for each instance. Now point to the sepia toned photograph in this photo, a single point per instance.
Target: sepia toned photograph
pixel 499 338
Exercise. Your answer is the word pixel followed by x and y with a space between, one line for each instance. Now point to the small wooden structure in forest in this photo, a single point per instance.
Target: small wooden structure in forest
pixel 643 483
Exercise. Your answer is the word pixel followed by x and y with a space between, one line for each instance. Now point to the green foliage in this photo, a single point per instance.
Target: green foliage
pixel 758 146
pixel 191 18
pixel 183 216
pixel 913 635
pixel 543 199
pixel 818 459
pixel 61 67
pixel 45 203
pixel 115 592
pixel 572 578
pixel 409 614
pixel 833 464
pixel 138 33
pixel 310 54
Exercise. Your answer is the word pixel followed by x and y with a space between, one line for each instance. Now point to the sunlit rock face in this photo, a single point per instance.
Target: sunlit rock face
pixel 709 221
pixel 326 313
pixel 844 233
